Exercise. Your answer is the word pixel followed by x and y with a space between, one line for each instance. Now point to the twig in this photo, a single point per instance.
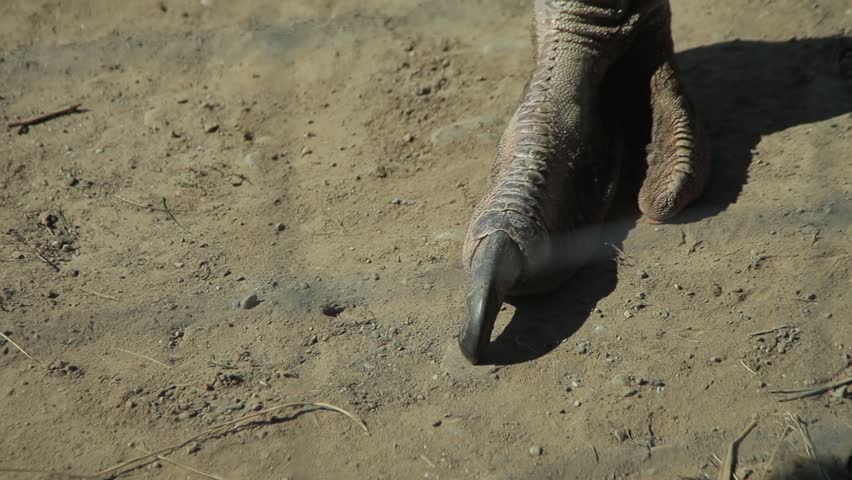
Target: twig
pixel 727 470
pixel 143 356
pixel 171 215
pixel 45 259
pixel 131 202
pixel 18 347
pixel 183 465
pixel 809 392
pixel 97 294
pixel 595 451
pixel 428 462
pixel 24 125
pixel 225 427
pixel 747 367
pixel 771 330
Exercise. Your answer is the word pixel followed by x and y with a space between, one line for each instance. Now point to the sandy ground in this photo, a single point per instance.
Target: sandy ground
pixel 325 156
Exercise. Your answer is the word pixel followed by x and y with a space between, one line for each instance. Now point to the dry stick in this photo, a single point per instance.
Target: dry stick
pixel 45 260
pixel 428 462
pixel 770 330
pixel 131 202
pixel 727 470
pixel 102 295
pixel 143 356
pixel 26 124
pixel 231 423
pixel 17 346
pixel 171 215
pixel 809 392
pixel 183 465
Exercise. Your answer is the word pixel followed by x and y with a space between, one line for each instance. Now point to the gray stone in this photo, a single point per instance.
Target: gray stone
pixel 250 301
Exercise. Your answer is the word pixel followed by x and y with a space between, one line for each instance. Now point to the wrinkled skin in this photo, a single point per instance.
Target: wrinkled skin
pixel 559 159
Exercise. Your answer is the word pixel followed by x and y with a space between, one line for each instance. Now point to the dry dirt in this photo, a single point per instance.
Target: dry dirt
pixel 325 156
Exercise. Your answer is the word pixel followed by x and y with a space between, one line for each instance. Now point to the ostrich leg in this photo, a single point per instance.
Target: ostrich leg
pixel 556 166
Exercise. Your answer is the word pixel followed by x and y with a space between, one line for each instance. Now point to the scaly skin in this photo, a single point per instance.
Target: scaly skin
pixel 558 160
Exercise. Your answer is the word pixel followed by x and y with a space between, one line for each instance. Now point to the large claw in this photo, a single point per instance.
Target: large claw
pixel 495 268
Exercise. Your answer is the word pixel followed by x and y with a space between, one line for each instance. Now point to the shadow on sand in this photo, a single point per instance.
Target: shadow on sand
pixel 743 90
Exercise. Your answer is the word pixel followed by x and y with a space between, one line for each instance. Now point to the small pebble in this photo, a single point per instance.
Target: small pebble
pixel 408 138
pixel 715 359
pixel 250 301
pixel 212 128
pixel 536 451
pixel 280 227
pixel 643 274
pixel 622 379
pixel 331 309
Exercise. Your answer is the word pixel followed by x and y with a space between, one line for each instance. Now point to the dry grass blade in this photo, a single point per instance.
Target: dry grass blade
pixel 172 215
pixel 224 427
pixel 183 465
pixel 769 330
pixel 810 450
pixel 143 356
pixel 49 473
pixel 809 392
pixel 261 413
pixel 18 347
pixel 131 202
pixel 98 294
pixel 727 470
pixel 747 367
